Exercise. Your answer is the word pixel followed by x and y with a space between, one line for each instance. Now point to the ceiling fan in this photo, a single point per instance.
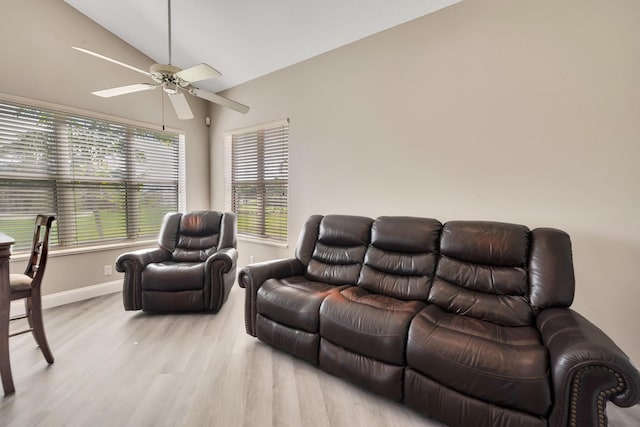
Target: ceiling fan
pixel 173 80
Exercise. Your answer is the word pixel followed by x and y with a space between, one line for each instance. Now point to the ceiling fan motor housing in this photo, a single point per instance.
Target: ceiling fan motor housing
pixel 165 74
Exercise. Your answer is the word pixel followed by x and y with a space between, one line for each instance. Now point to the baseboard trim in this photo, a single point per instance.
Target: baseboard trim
pixel 72 295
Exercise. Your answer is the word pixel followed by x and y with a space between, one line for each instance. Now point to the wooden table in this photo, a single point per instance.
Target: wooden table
pixel 5 304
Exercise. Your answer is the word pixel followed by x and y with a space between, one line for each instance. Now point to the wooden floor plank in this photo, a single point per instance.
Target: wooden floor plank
pixel 117 368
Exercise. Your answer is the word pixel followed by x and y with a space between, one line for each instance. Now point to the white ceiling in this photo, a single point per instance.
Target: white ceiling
pixel 246 39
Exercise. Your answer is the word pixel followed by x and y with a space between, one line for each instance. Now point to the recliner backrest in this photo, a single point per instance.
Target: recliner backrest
pixel 339 248
pixel 194 236
pixel 401 259
pixel 198 236
pixel 482 272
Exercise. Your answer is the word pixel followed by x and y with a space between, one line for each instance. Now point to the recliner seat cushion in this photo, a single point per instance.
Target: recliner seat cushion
pixel 369 324
pixel 173 277
pixel 295 341
pixel 161 301
pixel 459 409
pixel 294 301
pixel 380 377
pixel 507 366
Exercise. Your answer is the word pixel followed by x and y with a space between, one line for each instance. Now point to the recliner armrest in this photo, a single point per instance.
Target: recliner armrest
pixel 253 276
pixel 229 256
pixel 219 276
pixel 132 264
pixel 586 367
pixel 140 258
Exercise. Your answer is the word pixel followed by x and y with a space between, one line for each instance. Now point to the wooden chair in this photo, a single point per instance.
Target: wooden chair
pixel 27 286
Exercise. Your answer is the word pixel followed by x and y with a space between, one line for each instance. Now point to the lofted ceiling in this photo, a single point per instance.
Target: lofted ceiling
pixel 246 39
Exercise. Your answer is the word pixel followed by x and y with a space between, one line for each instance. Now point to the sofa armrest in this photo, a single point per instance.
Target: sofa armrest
pixel 587 369
pixel 253 276
pixel 132 264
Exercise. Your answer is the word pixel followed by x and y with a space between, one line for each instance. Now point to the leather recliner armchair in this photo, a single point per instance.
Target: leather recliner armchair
pixel 192 269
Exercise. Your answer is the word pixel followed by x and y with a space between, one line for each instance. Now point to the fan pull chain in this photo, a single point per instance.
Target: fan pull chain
pixel 162 105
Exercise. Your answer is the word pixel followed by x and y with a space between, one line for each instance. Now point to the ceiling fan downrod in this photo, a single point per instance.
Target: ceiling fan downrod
pixel 169 26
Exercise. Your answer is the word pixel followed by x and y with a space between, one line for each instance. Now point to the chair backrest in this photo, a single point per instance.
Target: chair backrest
pixel 194 236
pixel 336 253
pixel 502 273
pixel 401 260
pixel 39 248
pixel 497 272
pixel 482 272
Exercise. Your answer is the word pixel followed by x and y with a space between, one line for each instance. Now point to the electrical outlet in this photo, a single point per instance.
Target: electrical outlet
pixel 108 270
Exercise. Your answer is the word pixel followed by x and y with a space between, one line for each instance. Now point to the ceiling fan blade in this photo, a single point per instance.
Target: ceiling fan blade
pixel 197 73
pixel 122 90
pixel 180 104
pixel 106 58
pixel 221 100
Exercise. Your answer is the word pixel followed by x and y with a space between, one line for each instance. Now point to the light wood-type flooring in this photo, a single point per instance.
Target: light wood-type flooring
pixel 117 368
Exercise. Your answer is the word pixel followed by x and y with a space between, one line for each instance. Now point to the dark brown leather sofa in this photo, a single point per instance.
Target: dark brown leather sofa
pixel 467 321
pixel 192 269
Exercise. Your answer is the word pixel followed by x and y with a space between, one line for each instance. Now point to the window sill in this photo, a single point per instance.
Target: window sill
pixel 264 242
pixel 87 249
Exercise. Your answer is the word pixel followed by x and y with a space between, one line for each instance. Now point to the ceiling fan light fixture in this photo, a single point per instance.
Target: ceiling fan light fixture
pixel 170 90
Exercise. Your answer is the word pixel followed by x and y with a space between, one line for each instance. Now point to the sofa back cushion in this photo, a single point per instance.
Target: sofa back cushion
pixel 197 236
pixel 339 249
pixel 482 272
pixel 401 260
pixel 551 276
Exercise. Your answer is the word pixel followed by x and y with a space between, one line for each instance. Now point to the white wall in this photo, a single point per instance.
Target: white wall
pixel 517 111
pixel 38 63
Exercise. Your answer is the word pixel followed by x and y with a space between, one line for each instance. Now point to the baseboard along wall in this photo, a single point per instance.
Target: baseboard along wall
pixel 73 295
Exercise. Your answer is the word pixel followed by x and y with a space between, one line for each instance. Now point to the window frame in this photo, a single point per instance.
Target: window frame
pixel 132 127
pixel 260 182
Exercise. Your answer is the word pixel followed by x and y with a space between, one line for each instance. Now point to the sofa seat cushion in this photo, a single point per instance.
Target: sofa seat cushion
pixel 293 301
pixel 458 409
pixel 507 366
pixel 300 343
pixel 173 276
pixel 369 324
pixel 383 378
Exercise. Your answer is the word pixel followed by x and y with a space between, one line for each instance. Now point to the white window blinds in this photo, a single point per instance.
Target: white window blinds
pixel 259 180
pixel 103 180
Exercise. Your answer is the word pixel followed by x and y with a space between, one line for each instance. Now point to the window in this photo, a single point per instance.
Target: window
pixel 105 181
pixel 258 179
